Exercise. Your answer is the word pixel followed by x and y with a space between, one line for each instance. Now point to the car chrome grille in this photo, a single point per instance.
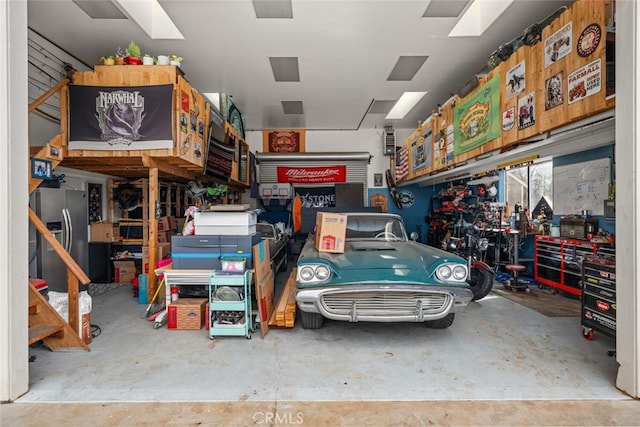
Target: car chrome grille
pixel 385 303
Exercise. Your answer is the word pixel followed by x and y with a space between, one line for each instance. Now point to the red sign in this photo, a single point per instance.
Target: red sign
pixel 312 175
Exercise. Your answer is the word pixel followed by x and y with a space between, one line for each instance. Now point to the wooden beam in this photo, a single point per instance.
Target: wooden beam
pixel 64 114
pixel 42 98
pixel 166 167
pixel 72 296
pixel 153 228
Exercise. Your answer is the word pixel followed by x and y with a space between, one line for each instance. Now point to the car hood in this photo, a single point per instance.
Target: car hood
pixel 392 261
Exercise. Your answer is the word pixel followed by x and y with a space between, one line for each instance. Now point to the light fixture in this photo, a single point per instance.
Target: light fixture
pixel 292 107
pixel 151 17
pixel 445 8
pixel 273 9
pixel 406 68
pixel 285 69
pixel 478 17
pixel 407 101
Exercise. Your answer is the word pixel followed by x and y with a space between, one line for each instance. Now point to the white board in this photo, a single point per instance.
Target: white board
pixel 581 186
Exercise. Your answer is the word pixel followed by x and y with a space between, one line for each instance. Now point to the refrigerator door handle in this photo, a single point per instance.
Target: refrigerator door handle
pixel 68 229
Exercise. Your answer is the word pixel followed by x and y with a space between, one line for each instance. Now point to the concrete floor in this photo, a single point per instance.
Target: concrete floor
pixel 499 364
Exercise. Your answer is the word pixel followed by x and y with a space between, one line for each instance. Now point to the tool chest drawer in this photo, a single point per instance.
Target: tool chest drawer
pixel 558 262
pixel 599 297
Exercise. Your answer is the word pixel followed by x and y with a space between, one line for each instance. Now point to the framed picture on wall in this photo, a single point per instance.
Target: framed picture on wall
pixel 40 168
pixel 95 202
pixel 283 141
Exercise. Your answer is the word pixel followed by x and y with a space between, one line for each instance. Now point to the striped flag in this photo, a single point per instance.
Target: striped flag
pixel 402 163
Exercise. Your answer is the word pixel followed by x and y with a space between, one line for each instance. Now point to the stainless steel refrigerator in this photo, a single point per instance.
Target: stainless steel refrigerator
pixel 65 213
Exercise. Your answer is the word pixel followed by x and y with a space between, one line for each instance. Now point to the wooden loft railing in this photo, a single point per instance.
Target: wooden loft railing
pixel 53 151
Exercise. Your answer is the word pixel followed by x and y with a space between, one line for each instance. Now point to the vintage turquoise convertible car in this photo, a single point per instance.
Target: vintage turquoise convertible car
pixel 381 277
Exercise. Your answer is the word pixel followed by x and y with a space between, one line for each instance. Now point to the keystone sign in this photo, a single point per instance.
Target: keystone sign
pixel 312 175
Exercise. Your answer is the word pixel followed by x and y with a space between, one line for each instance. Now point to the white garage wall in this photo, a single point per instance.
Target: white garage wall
pixel 366 140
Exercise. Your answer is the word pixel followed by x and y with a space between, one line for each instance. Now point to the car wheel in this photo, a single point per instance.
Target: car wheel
pixel 311 320
pixel 481 282
pixel 443 323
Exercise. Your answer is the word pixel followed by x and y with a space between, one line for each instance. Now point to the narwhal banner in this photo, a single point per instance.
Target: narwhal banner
pixel 120 118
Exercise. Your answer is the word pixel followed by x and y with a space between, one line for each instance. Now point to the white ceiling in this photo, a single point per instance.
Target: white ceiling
pixel 345 48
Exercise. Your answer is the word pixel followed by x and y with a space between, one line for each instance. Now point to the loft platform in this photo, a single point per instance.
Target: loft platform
pixel 124 120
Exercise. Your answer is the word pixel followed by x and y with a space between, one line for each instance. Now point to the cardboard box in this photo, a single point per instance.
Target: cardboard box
pixel 105 232
pixel 164 236
pixel 225 223
pixel 167 223
pixel 330 234
pixel 125 271
pixel 164 251
pixel 187 313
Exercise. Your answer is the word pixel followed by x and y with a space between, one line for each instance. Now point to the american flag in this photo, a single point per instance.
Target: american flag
pixel 402 163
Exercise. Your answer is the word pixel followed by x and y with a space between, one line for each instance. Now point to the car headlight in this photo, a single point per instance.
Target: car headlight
pixel 452 272
pixel 459 272
pixel 313 273
pixel 322 273
pixel 306 273
pixel 444 272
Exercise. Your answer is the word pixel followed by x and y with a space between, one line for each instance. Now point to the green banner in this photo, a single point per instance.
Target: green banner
pixel 477 119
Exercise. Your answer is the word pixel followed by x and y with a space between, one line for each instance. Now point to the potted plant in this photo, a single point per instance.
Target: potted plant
pixel 134 57
pixel 108 60
pixel 148 59
pixel 175 60
pixel 119 59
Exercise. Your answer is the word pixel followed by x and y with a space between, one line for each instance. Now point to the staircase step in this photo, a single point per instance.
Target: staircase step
pixel 38 332
pixel 47 325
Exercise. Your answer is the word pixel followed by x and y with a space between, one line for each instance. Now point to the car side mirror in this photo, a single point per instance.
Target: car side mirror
pixel 414 236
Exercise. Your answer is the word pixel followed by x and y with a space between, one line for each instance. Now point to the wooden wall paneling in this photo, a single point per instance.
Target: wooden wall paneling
pixel 440 160
pixel 443 132
pixel 136 75
pixel 191 117
pixel 428 144
pixel 519 86
pixel 488 146
pixel 407 145
pixel 580 16
pixel 416 139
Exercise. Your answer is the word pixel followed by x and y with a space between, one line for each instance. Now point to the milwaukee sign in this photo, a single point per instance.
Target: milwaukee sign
pixel 312 175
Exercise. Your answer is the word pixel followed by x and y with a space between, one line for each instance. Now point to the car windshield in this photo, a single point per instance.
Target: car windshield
pixel 375 227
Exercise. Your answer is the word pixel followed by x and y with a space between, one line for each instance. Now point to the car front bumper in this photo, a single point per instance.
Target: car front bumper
pixel 384 303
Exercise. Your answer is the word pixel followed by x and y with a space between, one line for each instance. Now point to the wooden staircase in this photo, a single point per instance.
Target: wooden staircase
pixel 46 325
